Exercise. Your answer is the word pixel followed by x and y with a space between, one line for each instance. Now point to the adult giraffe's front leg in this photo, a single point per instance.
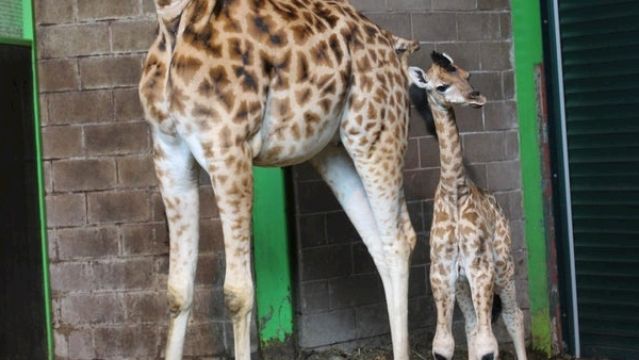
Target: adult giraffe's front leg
pixel 338 170
pixel 232 178
pixel 178 184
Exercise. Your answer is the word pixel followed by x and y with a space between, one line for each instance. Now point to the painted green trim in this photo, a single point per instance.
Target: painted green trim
pixel 15 41
pixel 28 20
pixel 272 261
pixel 527 37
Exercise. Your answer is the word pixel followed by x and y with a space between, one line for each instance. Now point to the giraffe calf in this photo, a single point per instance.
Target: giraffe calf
pixel 470 237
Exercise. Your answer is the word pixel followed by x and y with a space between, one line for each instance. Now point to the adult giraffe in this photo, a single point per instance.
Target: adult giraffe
pixel 232 83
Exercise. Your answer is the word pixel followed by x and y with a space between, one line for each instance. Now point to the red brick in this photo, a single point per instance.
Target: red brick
pixel 53 11
pixel 435 26
pixel 369 5
pixel 84 309
pixel 122 31
pixel 403 5
pixel 127 341
pixel 148 7
pixel 479 26
pixel 157 207
pixel 61 142
pixel 500 115
pixel 46 170
pixel 61 345
pixel 66 210
pixel 73 40
pixel 125 206
pixel 76 243
pixel 136 171
pixel 83 175
pixel 81 344
pixel 66 277
pixel 208 204
pixel 93 9
pixel 146 307
pixel 488 147
pixel 454 4
pixel 398 24
pixel 132 274
pixel 80 107
pixel 204 339
pixel 208 304
pixel 110 71
pixel 145 239
pixel 210 270
pixel 420 184
pixel 127 105
pixel 115 139
pixel 56 75
pixel 211 237
pixel 429 152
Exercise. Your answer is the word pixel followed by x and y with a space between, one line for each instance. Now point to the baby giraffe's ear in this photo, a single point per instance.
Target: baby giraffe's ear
pixel 418 77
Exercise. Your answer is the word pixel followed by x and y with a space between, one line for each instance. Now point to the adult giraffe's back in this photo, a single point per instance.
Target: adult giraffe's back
pixel 233 83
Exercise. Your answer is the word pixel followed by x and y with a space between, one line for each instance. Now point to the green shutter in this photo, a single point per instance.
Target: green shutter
pixel 11 18
pixel 600 55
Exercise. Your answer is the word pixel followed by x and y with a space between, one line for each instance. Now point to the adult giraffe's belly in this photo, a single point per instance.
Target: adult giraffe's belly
pixel 284 143
pixel 298 123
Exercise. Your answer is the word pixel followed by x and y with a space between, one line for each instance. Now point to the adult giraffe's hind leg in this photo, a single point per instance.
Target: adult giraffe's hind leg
pixel 174 168
pixel 233 187
pixel 338 170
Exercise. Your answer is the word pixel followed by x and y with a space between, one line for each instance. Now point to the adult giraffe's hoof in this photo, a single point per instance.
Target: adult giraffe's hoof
pixel 440 357
pixel 490 356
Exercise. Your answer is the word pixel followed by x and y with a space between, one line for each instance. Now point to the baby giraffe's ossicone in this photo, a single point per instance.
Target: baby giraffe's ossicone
pixel 470 235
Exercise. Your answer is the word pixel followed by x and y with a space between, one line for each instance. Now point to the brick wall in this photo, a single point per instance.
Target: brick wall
pixel 340 295
pixel 108 241
pixel 107 233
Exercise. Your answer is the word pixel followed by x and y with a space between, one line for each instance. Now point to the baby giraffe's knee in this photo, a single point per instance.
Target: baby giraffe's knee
pixel 238 300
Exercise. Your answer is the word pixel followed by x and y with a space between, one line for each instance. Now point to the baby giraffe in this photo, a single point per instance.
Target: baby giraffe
pixel 470 236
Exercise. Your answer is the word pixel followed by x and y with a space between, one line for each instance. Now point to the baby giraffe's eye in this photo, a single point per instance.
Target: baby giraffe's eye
pixel 442 88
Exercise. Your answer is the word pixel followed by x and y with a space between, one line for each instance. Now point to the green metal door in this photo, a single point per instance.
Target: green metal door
pixel 598 52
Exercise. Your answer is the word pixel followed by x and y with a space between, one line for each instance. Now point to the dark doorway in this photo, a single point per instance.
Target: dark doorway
pixel 592 51
pixel 22 324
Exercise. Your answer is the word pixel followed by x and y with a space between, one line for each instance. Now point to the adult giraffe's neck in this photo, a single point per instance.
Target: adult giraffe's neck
pixel 450 149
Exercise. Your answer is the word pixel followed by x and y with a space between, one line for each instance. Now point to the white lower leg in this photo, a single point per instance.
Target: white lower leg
pixel 513 319
pixel 398 307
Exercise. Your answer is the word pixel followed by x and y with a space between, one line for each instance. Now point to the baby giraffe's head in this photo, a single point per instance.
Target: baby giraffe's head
pixel 446 83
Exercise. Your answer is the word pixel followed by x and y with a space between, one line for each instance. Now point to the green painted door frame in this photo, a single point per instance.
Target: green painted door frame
pixel 527 38
pixel 273 275
pixel 28 39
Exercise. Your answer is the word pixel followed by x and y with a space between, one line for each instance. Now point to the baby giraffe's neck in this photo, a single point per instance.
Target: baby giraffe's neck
pixel 450 149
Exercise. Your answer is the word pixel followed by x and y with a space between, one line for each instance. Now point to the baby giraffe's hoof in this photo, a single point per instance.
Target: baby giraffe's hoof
pixel 490 356
pixel 440 357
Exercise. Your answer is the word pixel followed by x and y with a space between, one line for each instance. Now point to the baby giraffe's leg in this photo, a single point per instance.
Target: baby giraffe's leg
pixel 465 301
pixel 514 319
pixel 443 276
pixel 174 167
pixel 481 275
pixel 505 273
